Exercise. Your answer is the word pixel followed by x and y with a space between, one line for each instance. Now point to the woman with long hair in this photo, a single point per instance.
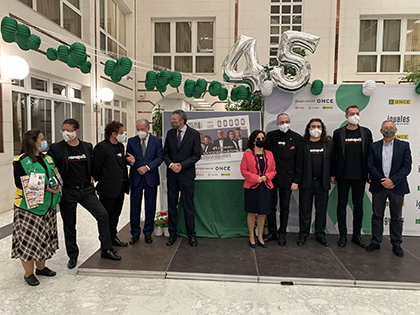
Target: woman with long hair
pixel 315 183
pixel 34 237
pixel 258 168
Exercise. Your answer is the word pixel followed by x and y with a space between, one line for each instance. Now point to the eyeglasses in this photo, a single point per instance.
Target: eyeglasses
pixel 261 139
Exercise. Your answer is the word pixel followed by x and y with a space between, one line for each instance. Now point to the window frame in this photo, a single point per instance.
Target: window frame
pixel 105 32
pixel 379 43
pixel 113 108
pixel 194 42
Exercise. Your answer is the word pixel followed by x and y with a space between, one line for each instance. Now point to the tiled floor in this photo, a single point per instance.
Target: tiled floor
pixel 68 293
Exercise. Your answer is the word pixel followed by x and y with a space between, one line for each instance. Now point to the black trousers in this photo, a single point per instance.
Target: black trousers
pixel 284 194
pixel 306 197
pixel 88 199
pixel 114 207
pixel 186 187
pixel 395 209
pixel 358 192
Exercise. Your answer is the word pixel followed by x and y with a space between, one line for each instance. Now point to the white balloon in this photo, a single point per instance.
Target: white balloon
pixel 14 67
pixel 369 87
pixel 106 95
pixel 267 88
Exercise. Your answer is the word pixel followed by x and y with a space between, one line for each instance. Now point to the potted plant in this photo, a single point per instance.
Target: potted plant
pixel 161 224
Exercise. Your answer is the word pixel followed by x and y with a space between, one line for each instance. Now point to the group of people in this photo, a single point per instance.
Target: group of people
pixel 234 142
pixel 273 166
pixel 282 161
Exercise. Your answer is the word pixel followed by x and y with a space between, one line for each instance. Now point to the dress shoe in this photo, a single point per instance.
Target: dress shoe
pixel 372 247
pixel 342 241
pixel 72 263
pixel 252 245
pixel 31 280
pixel 270 237
pixel 282 240
pixel 148 239
pixel 109 254
pixel 263 245
pixel 323 241
pixel 193 241
pixel 45 272
pixel 301 241
pixel 117 242
pixel 358 240
pixel 134 239
pixel 397 250
pixel 171 240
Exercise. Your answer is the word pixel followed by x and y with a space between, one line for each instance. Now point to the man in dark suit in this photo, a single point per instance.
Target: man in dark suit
pixel 242 142
pixel 145 155
pixel 109 169
pixel 351 147
pixel 181 151
pixel 73 159
pixel 221 143
pixel 389 163
pixel 284 143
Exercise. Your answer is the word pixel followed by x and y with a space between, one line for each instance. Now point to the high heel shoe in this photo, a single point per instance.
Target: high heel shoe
pixel 252 245
pixel 261 244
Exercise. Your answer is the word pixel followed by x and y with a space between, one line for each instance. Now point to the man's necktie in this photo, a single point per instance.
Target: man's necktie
pixel 179 136
pixel 143 146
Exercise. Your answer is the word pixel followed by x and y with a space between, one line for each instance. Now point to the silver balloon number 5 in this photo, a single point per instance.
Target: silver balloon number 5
pixel 253 74
pixel 288 57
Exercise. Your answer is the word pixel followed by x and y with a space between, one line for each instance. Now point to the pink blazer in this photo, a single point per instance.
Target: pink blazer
pixel 250 169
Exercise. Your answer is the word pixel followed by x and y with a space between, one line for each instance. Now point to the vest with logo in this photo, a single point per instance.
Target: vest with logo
pixel 50 199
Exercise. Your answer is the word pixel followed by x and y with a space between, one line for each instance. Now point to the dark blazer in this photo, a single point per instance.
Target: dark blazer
pixel 60 153
pixel 209 148
pixel 109 170
pixel 226 143
pixel 288 162
pixel 307 165
pixel 188 153
pixel 338 164
pixel 400 166
pixel 153 159
pixel 244 143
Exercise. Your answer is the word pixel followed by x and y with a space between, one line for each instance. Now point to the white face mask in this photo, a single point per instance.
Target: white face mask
pixel 142 134
pixel 315 132
pixel 354 120
pixel 68 136
pixel 121 137
pixel 284 127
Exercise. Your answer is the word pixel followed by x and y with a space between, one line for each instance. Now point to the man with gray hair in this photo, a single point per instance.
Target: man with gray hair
pixel 284 143
pixel 389 163
pixel 181 151
pixel 145 156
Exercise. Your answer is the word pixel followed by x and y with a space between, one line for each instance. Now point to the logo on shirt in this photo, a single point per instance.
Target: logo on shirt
pixel 281 143
pixel 317 151
pixel 77 158
pixel 399 102
pixel 400 120
pixel 353 140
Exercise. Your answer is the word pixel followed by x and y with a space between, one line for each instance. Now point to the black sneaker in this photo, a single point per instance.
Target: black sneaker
pixel 45 272
pixel 31 280
pixel 372 247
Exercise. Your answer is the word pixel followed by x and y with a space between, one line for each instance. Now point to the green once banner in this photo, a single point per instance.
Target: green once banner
pixel 219 209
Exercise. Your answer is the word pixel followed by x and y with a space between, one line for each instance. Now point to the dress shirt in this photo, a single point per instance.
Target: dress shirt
pixel 387 152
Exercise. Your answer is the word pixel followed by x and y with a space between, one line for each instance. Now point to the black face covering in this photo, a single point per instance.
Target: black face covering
pixel 260 143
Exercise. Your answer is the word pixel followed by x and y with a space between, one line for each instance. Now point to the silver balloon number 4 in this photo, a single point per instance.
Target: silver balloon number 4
pixel 253 74
pixel 287 57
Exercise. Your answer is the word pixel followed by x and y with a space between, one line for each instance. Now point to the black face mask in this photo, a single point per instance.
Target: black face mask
pixel 260 143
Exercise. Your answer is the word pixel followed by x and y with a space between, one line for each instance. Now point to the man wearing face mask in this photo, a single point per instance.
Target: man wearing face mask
pixel 181 151
pixel 109 169
pixel 145 156
pixel 284 143
pixel 73 158
pixel 389 163
pixel 351 148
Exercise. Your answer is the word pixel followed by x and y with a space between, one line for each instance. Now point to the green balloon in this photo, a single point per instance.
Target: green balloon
pixel 63 53
pixel 223 94
pixel 317 87
pixel 109 67
pixel 52 54
pixel 23 33
pixel 418 88
pixel 86 67
pixel 34 42
pixel 214 88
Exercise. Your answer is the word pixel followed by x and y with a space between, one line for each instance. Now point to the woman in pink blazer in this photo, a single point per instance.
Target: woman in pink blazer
pixel 258 168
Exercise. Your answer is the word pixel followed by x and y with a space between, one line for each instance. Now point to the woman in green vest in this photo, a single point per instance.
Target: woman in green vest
pixel 37 195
